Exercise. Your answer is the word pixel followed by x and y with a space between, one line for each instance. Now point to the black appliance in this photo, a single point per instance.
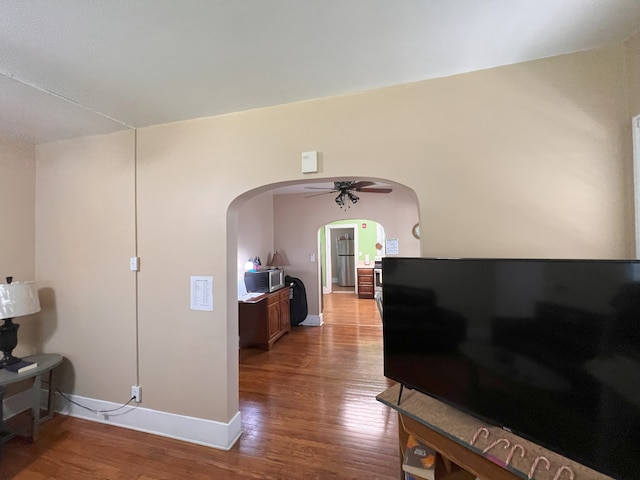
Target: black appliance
pixel 549 349
pixel 264 281
pixel 298 308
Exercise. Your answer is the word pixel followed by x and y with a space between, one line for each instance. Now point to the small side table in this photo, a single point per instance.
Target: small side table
pixel 46 363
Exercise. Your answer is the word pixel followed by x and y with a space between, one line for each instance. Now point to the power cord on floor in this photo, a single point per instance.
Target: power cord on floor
pixel 93 410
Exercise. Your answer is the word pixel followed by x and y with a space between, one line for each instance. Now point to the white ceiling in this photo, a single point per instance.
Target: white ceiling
pixel 75 67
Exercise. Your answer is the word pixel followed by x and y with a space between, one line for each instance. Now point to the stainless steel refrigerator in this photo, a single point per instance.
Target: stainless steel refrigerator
pixel 346 262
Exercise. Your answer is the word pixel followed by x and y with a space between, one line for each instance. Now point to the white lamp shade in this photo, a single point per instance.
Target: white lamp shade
pixel 18 299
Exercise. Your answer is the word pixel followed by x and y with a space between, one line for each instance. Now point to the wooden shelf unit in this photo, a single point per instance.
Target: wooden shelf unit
pixel 263 321
pixel 365 283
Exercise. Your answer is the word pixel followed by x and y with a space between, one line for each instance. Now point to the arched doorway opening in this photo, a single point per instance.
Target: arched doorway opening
pixel 364 239
pixel 270 219
pixel 283 217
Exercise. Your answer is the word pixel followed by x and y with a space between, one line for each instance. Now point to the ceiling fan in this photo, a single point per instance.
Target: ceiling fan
pixel 346 191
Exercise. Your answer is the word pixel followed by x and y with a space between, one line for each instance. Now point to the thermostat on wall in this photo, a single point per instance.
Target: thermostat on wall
pixel 309 162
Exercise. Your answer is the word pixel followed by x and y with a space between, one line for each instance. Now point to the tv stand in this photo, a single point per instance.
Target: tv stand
pixel 400 393
pixel 465 452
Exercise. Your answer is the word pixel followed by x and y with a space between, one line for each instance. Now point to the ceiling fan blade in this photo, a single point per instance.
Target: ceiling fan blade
pixel 318 194
pixel 358 185
pixel 322 188
pixel 376 190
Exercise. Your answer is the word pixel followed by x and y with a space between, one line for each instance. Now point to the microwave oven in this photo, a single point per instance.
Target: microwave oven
pixel 264 281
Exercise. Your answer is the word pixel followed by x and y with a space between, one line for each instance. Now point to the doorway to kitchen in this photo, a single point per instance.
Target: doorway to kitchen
pixel 340 259
pixel 345 246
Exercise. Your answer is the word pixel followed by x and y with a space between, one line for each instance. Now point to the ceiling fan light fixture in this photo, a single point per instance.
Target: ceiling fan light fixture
pixel 347 190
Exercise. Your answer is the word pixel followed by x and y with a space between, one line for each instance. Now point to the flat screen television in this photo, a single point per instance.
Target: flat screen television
pixel 547 349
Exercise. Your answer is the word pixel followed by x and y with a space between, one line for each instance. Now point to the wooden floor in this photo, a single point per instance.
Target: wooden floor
pixel 308 412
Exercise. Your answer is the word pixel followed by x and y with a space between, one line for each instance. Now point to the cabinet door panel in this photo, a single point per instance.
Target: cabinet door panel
pixel 274 319
pixel 285 312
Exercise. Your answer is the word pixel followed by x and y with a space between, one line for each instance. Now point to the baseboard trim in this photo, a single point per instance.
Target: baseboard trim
pixel 180 427
pixel 312 321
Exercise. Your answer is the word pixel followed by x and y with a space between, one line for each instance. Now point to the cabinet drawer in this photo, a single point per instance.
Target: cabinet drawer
pixel 365 293
pixel 365 273
pixel 284 294
pixel 273 298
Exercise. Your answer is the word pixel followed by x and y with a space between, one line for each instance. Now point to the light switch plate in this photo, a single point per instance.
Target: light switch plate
pixel 134 264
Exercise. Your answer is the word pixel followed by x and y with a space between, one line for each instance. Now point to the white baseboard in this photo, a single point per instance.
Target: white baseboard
pixel 312 321
pixel 180 427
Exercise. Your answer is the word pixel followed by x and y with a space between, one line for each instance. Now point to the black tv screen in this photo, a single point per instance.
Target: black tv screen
pixel 548 349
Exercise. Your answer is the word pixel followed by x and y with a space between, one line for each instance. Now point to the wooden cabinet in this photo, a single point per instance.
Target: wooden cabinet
pixel 285 310
pixel 263 321
pixel 365 282
pixel 273 315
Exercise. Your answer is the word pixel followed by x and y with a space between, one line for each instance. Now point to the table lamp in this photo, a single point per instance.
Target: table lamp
pixel 16 299
pixel 277 260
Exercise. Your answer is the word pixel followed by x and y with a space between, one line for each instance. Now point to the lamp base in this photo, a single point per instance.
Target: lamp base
pixel 7 360
pixel 8 341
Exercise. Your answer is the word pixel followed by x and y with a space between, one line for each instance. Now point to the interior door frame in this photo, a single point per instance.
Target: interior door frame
pixel 328 250
pixel 635 131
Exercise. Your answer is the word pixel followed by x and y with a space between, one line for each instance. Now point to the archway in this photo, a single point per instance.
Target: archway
pixel 267 219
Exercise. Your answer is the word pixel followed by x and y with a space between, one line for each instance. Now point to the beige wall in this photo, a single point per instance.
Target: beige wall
pixel 527 160
pixel 17 240
pixel 255 232
pixel 298 219
pixel 17 210
pixel 86 233
pixel 632 50
pixel 632 60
